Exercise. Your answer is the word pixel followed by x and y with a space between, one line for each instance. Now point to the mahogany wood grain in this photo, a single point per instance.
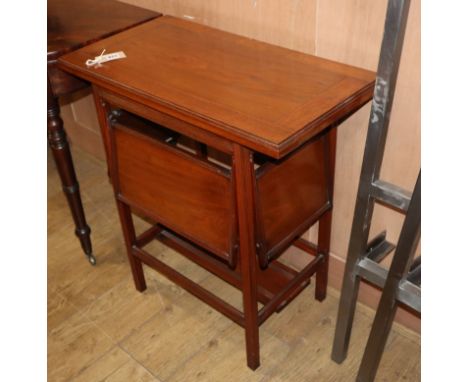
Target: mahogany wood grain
pixel 186 194
pixel 325 222
pixel 267 98
pixel 289 193
pixel 267 109
pixel 73 24
pixel 244 178
pixel 130 240
pixel 102 112
pixel 63 83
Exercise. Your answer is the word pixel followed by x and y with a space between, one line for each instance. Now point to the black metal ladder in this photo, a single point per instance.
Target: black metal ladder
pixel 402 282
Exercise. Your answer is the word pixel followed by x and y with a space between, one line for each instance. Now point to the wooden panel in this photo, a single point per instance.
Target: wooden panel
pixel 291 192
pixel 193 199
pixel 214 77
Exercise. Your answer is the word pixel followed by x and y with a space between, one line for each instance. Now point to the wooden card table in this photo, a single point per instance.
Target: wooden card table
pixel 228 144
pixel 72 24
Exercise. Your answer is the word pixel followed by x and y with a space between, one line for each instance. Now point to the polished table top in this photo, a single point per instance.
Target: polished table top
pixel 267 98
pixel 72 24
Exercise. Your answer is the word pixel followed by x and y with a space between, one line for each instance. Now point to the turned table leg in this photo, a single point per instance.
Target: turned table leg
pixel 63 160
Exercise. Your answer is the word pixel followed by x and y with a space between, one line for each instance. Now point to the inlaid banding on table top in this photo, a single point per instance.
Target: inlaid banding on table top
pixel 265 97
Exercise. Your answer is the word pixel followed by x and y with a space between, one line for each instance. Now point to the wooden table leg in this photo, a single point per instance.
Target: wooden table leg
pixel 130 240
pixel 321 278
pixel 325 221
pixel 61 151
pixel 244 178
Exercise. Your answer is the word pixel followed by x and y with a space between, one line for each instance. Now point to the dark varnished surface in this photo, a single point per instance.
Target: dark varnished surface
pixel 175 189
pixel 240 97
pixel 267 98
pixel 193 196
pixel 292 192
pixel 72 24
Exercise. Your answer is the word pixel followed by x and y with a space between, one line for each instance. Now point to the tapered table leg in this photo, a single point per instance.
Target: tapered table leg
pixel 244 180
pixel 63 160
pixel 128 229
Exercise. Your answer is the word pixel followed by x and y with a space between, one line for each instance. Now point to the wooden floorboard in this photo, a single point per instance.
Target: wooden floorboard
pixel 101 329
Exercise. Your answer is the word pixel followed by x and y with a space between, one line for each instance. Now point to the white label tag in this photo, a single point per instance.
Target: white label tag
pixel 105 57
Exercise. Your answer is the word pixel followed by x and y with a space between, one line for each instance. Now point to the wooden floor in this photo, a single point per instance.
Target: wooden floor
pixel 101 329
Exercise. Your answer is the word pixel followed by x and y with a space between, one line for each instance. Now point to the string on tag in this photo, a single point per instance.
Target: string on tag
pixel 105 57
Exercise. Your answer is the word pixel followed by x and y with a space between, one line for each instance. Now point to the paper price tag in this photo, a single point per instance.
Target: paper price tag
pixel 105 57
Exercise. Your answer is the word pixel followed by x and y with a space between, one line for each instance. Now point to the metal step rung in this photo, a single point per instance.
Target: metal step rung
pixel 409 294
pixel 372 272
pixel 378 248
pixel 390 194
